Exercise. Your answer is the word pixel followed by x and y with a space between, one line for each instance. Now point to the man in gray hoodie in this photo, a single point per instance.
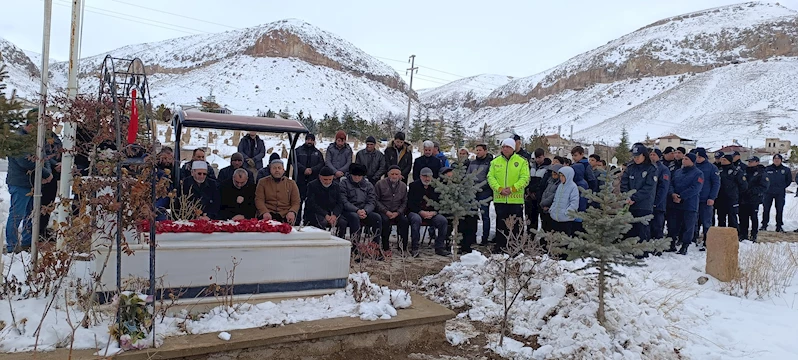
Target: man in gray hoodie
pixel 339 155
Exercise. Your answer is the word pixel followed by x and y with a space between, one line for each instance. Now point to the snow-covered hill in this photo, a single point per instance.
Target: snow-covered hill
pixel 714 75
pixel 23 73
pixel 454 98
pixel 287 64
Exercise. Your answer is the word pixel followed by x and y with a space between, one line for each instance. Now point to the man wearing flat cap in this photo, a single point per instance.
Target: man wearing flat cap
pixel 359 201
pixel 391 195
pixel 276 196
pixel 373 160
pixel 324 206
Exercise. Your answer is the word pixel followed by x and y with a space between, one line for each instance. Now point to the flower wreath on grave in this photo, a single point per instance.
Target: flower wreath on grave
pixel 212 226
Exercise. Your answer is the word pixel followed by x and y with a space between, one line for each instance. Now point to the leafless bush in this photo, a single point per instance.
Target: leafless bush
pixel 224 292
pixel 522 262
pixel 766 269
pixel 183 207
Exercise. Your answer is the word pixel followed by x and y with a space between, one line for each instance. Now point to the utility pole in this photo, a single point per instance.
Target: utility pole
pixel 37 183
pixel 68 135
pixel 572 132
pixel 413 69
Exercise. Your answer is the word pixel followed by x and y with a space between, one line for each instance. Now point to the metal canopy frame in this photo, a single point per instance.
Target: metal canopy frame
pixel 118 78
pixel 206 120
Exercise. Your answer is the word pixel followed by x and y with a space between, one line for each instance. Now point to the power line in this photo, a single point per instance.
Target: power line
pixel 178 15
pixel 128 18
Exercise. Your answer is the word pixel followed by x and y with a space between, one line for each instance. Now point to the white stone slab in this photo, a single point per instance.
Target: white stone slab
pixel 299 261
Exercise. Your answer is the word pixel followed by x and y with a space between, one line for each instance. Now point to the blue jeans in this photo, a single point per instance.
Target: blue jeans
pixel 484 211
pixel 21 208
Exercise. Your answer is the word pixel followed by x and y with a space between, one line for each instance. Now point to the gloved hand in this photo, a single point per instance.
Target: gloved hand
pixel 251 163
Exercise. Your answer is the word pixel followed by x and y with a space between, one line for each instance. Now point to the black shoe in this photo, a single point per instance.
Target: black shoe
pixel 683 250
pixel 763 228
pixel 443 252
pixel 464 251
pixel 779 229
pixel 415 253
pixel 753 238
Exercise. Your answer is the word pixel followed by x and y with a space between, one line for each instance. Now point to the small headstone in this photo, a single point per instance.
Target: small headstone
pixel 284 153
pixel 168 135
pixel 357 144
pixel 722 253
pixel 702 280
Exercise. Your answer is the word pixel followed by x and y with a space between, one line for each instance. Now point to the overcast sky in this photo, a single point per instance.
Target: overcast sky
pixel 450 38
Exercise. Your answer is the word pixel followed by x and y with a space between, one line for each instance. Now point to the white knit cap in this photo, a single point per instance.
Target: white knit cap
pixel 199 165
pixel 508 142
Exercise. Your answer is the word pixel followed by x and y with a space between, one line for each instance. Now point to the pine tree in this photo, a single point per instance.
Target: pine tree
pixel 537 141
pixel 416 131
pixel 307 121
pixel 270 113
pixel 622 153
pixel 602 244
pixel 440 132
pixel 12 118
pixel 457 134
pixel 486 137
pixel 458 198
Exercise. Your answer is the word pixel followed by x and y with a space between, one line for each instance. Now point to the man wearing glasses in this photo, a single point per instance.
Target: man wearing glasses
pixel 200 188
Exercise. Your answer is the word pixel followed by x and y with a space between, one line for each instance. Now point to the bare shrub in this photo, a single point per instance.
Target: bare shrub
pixel 521 263
pixel 766 269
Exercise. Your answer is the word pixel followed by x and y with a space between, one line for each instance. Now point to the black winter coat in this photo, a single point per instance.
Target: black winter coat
pixel 229 193
pixel 663 184
pixel 405 162
pixel 307 157
pixel 323 201
pixel 252 149
pixel 779 177
pixel 426 161
pixel 207 193
pixel 757 185
pixel 227 173
pixel 374 162
pixel 732 183
pixel 643 179
pixel 416 194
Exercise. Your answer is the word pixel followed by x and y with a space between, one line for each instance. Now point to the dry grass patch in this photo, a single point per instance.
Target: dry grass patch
pixel 766 269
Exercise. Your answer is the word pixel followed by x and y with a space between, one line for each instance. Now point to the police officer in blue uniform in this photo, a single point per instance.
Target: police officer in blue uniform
pixel 709 192
pixel 732 182
pixel 640 176
pixel 685 190
pixel 661 198
pixel 780 178
pixel 751 198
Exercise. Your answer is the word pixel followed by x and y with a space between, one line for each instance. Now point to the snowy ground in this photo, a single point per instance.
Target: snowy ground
pixel 655 312
pixel 376 302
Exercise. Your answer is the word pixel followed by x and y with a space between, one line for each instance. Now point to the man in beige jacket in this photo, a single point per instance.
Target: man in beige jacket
pixel 276 196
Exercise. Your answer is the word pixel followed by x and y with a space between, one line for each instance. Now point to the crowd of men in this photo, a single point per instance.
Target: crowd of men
pixel 366 196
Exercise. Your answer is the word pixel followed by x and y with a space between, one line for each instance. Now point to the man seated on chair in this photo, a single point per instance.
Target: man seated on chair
pixel 391 205
pixel 238 196
pixel 276 196
pixel 323 205
pixel 420 211
pixel 198 187
pixel 359 202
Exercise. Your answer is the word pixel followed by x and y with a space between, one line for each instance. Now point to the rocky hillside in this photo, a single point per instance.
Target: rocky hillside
pixel 461 95
pixel 287 64
pixel 720 62
pixel 23 73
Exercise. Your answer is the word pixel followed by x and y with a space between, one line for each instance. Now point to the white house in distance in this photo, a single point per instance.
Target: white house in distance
pixel 498 138
pixel 675 141
pixel 777 146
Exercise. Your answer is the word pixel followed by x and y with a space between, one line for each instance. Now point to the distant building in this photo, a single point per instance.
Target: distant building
pixel 498 138
pixel 675 141
pixel 777 146
pixel 745 152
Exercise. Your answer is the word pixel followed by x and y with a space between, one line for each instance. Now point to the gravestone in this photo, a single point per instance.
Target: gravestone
pixel 722 253
pixel 168 135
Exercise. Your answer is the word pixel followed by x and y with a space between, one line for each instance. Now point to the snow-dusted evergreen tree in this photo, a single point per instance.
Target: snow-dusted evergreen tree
pixel 622 153
pixel 12 118
pixel 458 198
pixel 603 244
